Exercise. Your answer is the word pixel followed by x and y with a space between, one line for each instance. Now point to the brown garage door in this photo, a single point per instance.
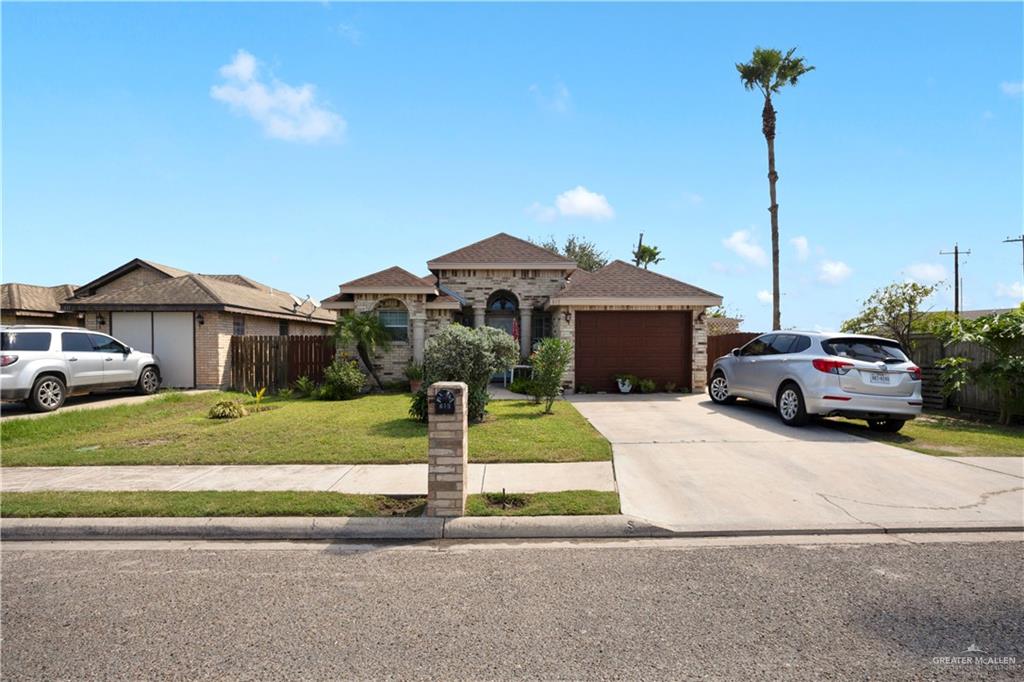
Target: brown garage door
pixel 651 345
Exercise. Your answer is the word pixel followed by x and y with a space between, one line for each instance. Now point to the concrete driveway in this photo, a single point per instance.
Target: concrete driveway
pixel 685 463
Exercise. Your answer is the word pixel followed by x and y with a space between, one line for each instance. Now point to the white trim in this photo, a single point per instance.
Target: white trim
pixel 388 290
pixel 699 301
pixel 443 265
pixel 338 305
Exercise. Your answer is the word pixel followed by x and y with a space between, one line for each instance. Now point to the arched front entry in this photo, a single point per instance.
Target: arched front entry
pixel 503 312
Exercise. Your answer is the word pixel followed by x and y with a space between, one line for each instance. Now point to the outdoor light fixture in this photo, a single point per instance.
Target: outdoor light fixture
pixel 703 314
pixel 567 315
pixel 199 318
pixel 100 320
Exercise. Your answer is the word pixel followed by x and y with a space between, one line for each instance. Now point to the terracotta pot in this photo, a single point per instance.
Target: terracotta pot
pixel 415 385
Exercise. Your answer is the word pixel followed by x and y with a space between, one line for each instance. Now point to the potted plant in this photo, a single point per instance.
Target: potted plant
pixel 414 373
pixel 625 382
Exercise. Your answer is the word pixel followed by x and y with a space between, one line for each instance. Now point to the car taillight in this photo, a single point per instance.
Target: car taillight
pixel 915 373
pixel 832 366
pixel 8 360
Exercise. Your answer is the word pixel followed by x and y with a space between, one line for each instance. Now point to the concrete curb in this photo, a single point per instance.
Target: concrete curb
pixel 396 528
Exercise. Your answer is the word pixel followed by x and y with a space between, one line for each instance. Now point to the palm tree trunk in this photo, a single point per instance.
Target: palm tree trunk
pixel 368 363
pixel 768 128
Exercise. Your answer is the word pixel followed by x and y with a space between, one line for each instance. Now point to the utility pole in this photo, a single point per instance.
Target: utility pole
pixel 956 275
pixel 1010 240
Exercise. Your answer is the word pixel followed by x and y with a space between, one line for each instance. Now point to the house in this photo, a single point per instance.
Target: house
pixel 32 304
pixel 620 319
pixel 188 319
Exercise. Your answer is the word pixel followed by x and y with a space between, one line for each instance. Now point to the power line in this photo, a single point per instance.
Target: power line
pixel 955 253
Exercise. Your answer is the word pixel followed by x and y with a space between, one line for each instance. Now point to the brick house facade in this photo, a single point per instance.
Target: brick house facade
pixel 532 293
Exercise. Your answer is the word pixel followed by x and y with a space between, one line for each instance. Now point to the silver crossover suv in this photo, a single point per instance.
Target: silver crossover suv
pixel 804 374
pixel 44 365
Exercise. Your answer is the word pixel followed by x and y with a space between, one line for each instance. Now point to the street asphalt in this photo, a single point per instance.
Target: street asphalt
pixel 653 609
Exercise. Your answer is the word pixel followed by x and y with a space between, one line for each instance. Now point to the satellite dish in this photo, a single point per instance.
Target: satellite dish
pixel 296 300
pixel 315 302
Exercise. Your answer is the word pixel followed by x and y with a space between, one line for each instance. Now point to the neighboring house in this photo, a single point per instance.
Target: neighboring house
pixel 621 319
pixel 720 326
pixel 188 319
pixel 32 304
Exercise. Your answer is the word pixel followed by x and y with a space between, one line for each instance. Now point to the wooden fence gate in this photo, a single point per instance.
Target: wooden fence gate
pixel 721 345
pixel 275 362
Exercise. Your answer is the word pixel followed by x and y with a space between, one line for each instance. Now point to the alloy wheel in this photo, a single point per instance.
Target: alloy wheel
pixel 49 394
pixel 789 404
pixel 149 381
pixel 719 388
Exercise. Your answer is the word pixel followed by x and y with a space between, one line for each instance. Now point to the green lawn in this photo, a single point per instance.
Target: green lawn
pixel 373 429
pixel 947 434
pixel 177 504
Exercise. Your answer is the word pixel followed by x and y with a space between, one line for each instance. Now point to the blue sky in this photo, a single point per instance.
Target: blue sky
pixel 185 133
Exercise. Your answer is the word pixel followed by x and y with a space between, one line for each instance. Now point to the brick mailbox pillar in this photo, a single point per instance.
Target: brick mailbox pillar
pixel 447 468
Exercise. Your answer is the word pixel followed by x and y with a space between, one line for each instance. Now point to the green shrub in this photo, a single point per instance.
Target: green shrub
pixel 550 361
pixel 305 386
pixel 647 386
pixel 472 356
pixel 670 387
pixel 526 387
pixel 583 388
pixel 414 371
pixel 227 409
pixel 343 380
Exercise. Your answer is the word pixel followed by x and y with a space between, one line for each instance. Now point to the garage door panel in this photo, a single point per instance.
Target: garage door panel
pixel 174 345
pixel 134 329
pixel 650 344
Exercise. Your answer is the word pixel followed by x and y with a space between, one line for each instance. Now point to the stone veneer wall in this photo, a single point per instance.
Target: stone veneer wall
pixel 531 287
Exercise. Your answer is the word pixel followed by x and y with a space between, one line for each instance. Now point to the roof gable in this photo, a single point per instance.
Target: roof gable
pixel 120 271
pixel 621 280
pixel 390 280
pixel 34 298
pixel 502 249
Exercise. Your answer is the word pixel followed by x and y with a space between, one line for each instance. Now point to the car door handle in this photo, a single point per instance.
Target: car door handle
pixel 109 359
pixel 72 359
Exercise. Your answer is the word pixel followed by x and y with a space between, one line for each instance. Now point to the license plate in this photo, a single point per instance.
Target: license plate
pixel 878 378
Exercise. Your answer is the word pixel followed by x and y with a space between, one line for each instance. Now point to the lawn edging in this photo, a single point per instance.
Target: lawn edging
pixel 421 528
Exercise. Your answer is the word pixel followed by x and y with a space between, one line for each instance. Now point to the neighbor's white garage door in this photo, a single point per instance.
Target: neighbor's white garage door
pixel 169 335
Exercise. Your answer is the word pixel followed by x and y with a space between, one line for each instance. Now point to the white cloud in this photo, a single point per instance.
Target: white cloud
pixel 833 272
pixel 926 273
pixel 764 296
pixel 349 33
pixel 742 244
pixel 1014 291
pixel 803 249
pixel 1012 88
pixel 559 99
pixel 285 112
pixel 578 202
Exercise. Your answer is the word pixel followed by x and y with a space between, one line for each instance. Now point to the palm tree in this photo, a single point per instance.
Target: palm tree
pixel 768 71
pixel 367 333
pixel 646 255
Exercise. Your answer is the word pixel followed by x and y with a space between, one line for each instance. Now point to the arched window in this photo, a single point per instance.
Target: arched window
pixel 502 302
pixel 395 319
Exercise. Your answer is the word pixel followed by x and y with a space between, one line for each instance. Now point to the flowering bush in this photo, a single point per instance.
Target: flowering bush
pixel 472 356
pixel 343 380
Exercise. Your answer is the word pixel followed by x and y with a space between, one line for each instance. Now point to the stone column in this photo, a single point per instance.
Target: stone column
pixel 525 331
pixel 447 451
pixel 417 339
pixel 479 315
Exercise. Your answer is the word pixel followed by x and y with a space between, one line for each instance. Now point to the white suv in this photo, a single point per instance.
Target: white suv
pixel 44 365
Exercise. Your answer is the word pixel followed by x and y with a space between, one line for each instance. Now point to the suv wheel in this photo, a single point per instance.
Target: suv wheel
pixel 886 425
pixel 48 393
pixel 718 389
pixel 149 382
pixel 790 405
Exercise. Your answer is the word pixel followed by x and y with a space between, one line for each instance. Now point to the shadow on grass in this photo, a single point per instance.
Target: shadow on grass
pixel 406 427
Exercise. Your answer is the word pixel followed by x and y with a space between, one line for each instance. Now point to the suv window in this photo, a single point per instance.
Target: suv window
pixel 801 344
pixel 105 344
pixel 25 341
pixel 759 346
pixel 76 342
pixel 869 350
pixel 781 344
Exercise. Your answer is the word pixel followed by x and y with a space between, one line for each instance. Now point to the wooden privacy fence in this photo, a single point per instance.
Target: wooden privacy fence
pixel 722 344
pixel 275 362
pixel 927 351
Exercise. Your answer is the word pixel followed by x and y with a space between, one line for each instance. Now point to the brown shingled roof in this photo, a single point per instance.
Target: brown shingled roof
pixel 191 291
pixel 501 248
pixel 619 279
pixel 391 278
pixel 34 298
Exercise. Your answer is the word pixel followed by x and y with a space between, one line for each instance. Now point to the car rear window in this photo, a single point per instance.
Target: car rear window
pixel 869 350
pixel 25 340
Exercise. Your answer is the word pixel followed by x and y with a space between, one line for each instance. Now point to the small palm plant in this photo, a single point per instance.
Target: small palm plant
pixel 368 334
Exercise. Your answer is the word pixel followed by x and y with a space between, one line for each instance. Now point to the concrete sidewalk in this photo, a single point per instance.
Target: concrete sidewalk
pixel 373 479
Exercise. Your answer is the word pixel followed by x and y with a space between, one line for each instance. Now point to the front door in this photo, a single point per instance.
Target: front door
pixel 85 365
pixel 118 368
